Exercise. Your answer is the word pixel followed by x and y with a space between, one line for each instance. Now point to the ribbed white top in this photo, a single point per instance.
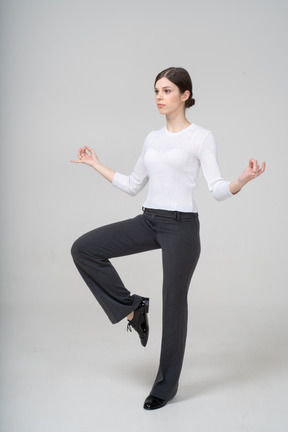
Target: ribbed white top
pixel 171 162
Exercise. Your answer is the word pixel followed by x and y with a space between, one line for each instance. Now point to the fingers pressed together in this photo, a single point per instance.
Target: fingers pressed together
pixel 253 163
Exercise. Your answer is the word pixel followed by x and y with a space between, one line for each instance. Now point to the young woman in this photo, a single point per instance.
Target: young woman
pixel 170 161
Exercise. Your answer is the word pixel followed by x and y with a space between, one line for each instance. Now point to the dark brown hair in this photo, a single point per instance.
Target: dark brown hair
pixel 181 78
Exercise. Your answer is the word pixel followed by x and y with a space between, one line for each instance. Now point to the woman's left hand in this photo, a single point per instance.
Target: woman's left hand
pixel 250 173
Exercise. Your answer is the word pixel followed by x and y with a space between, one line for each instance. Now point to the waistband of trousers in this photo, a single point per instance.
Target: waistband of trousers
pixel 170 214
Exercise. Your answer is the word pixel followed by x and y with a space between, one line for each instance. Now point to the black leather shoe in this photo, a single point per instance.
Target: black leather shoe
pixel 153 403
pixel 140 321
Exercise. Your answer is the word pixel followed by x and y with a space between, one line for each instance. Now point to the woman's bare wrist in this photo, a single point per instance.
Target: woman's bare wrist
pixel 235 186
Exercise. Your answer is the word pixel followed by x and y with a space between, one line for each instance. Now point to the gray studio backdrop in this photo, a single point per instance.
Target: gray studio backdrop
pixel 77 73
pixel 81 73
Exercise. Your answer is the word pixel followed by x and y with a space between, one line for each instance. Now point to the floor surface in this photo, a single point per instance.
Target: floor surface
pixel 66 368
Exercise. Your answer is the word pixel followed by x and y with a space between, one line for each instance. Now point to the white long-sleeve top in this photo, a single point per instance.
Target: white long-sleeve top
pixel 171 162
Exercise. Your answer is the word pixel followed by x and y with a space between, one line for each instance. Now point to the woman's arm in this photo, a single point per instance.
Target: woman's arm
pixel 250 173
pixel 131 184
pixel 87 156
pixel 220 188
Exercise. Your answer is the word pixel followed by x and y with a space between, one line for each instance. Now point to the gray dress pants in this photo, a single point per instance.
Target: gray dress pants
pixel 177 234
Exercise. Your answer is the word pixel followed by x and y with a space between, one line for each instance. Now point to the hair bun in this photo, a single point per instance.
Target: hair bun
pixel 190 102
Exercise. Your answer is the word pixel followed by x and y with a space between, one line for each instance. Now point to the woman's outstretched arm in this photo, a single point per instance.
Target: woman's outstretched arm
pixel 87 156
pixel 250 173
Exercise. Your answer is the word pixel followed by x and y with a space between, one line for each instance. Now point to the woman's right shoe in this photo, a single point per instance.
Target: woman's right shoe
pixel 140 321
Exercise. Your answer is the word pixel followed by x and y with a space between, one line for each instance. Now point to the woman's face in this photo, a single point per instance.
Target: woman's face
pixel 168 98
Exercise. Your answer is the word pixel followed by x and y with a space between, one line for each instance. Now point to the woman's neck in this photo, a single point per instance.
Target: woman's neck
pixel 177 123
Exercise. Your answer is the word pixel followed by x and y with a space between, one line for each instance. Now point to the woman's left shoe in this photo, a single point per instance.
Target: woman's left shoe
pixel 152 403
pixel 140 321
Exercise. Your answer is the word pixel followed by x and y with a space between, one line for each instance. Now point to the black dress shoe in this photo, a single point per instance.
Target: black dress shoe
pixel 140 321
pixel 153 403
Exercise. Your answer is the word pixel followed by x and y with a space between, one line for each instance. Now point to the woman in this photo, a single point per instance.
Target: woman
pixel 170 160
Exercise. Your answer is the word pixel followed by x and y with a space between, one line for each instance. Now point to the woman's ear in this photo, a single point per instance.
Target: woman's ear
pixel 185 95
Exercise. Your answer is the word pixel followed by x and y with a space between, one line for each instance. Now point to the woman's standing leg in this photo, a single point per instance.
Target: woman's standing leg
pixel 91 254
pixel 180 243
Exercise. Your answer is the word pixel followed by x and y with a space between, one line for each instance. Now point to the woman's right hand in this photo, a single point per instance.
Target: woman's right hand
pixel 87 156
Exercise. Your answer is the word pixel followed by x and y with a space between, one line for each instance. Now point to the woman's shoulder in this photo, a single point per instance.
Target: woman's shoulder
pixel 156 132
pixel 203 131
pixel 154 135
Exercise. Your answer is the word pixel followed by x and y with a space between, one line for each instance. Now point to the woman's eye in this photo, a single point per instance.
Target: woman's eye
pixel 167 91
pixel 156 91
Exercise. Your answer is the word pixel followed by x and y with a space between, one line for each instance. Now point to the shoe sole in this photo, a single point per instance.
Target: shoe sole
pixel 146 310
pixel 146 304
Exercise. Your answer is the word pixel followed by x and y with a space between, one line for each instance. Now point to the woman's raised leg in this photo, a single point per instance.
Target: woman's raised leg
pixel 92 252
